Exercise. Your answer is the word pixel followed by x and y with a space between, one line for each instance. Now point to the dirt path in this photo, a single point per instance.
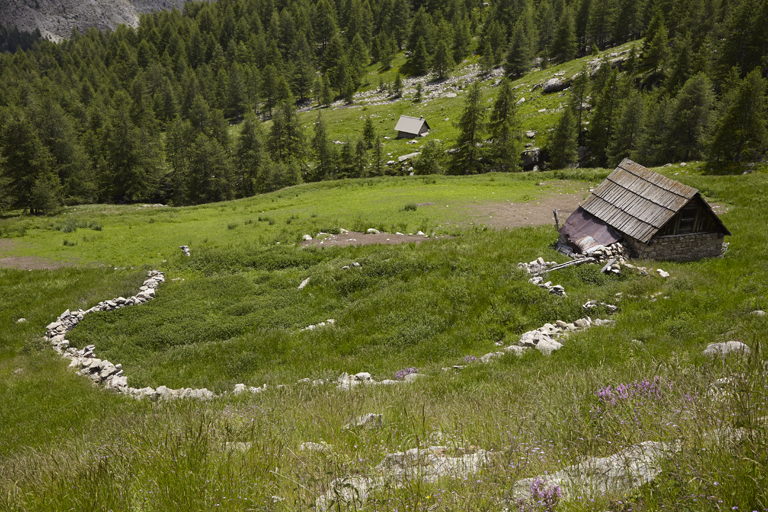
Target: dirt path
pixel 25 262
pixel 530 213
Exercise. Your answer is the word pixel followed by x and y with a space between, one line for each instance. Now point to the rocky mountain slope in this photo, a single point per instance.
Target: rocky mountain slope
pixel 57 18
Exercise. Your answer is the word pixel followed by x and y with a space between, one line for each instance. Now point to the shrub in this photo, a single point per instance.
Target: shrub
pixel 410 207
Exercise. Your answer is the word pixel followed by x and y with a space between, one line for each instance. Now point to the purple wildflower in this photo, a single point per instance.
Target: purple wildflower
pixel 400 375
pixel 470 359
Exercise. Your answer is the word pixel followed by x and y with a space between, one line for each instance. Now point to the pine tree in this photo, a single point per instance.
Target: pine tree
pixel 626 140
pixel 419 93
pixel 322 151
pixel 603 121
pixel 465 160
pixel 519 58
pixel 397 88
pixel 23 159
pixel 209 172
pixel 487 59
pixel 420 58
pixel 504 130
pixel 388 50
pixel 369 132
pixel 562 146
pixel 579 94
pixel 740 130
pixel 655 44
pixel 682 64
pixel 653 147
pixel 564 45
pixel 248 156
pixel 286 137
pixel 430 161
pixel 443 61
pixel 326 96
pixel 602 16
pixel 692 113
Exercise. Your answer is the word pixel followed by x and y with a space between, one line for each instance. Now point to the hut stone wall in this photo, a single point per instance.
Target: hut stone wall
pixel 687 247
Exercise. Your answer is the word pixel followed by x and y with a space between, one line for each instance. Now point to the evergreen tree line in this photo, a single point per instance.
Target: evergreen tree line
pixel 143 114
pixel 701 95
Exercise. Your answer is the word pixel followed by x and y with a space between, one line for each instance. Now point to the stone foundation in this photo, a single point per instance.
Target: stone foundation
pixel 688 247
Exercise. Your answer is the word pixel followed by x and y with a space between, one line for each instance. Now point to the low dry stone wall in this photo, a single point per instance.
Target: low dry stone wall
pixel 103 372
pixel 693 246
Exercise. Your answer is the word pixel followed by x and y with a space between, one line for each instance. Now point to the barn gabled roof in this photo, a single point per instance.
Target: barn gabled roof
pixel 408 124
pixel 638 202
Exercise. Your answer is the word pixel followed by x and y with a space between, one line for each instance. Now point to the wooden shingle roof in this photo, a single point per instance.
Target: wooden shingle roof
pixel 637 201
pixel 412 125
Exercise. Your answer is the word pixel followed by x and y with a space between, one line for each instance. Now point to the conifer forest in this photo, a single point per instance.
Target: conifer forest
pixel 144 114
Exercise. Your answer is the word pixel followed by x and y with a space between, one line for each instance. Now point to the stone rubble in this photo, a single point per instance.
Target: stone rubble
pixel 327 323
pixel 103 372
pixel 347 382
pixel 369 420
pixel 537 266
pixel 546 339
pixel 184 249
pixel 397 469
pixel 553 289
pixel 315 447
pixel 620 472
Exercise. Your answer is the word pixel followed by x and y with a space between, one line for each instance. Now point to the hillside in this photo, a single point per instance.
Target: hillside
pixel 56 18
pixel 378 376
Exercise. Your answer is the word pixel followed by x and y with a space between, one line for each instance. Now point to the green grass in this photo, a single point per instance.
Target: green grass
pixel 235 317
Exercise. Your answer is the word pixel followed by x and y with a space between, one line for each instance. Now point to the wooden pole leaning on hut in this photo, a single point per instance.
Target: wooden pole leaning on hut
pixel 557 221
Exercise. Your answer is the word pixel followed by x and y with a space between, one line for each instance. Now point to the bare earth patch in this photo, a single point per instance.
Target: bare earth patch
pixel 530 213
pixel 25 262
pixel 356 238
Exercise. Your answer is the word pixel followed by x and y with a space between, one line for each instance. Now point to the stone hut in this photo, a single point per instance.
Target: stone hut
pixel 409 127
pixel 653 216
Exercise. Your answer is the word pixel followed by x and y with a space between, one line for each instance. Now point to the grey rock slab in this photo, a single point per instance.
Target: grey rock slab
pixel 725 349
pixel 547 345
pixel 369 420
pixel 620 472
pixel 315 447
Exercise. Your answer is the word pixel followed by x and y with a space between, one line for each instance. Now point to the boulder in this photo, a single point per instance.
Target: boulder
pixel 725 349
pixel 555 85
pixel 530 157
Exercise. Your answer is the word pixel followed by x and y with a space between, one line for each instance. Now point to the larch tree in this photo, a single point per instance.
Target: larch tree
pixel 507 144
pixel 466 157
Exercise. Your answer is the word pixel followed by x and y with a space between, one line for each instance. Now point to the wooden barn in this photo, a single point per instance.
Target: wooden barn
pixel 653 216
pixel 409 127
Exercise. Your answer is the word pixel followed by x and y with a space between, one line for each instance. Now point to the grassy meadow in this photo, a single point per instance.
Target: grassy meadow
pixel 232 313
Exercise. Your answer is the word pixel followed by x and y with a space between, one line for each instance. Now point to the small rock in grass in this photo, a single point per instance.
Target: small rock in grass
pixel 304 283
pixel 724 349
pixel 307 238
pixel 662 273
pixel 372 231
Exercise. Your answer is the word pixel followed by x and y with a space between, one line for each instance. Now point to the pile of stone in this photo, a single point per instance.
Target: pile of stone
pixel 592 304
pixel 553 289
pixel 537 266
pixel 102 371
pixel 608 252
pixel 327 323
pixel 347 382
pixel 547 338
